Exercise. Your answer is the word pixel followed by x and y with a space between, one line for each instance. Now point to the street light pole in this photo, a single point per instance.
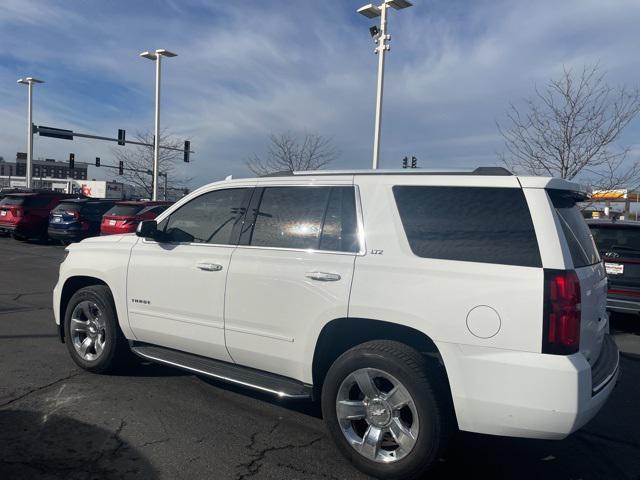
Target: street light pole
pixel 380 50
pixel 381 38
pixel 29 81
pixel 157 56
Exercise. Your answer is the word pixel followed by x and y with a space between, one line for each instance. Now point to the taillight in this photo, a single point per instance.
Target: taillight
pixel 561 334
pixel 17 212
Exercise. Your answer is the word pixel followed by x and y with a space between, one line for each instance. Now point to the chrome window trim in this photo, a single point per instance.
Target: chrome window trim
pixel 359 227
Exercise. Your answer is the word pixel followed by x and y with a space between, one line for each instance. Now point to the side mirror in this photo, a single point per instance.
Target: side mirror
pixel 147 229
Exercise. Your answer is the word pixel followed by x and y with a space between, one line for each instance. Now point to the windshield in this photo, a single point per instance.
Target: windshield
pixel 616 238
pixel 124 210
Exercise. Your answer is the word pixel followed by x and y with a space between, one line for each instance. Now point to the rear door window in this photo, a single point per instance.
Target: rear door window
pixel 315 218
pixel 576 232
pixel 472 224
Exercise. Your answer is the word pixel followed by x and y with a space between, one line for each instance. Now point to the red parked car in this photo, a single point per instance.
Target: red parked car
pixel 125 216
pixel 26 215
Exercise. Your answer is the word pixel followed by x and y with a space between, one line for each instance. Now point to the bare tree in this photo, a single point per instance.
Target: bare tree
pixel 286 153
pixel 139 159
pixel 569 130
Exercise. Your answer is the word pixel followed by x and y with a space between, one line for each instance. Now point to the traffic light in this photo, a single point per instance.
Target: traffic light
pixel 405 162
pixel 187 147
pixel 121 136
pixel 97 161
pixel 414 162
pixel 72 161
pixel 121 168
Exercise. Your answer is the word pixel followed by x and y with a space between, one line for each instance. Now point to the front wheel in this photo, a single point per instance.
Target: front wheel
pixel 93 337
pixel 388 409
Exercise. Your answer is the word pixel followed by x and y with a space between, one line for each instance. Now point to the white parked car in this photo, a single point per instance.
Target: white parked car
pixel 410 303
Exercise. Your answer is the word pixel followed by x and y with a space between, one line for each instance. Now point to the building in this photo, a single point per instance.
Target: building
pixel 47 173
pixel 48 168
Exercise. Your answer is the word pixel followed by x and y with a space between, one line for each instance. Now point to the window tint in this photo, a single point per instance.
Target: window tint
pixel 579 240
pixel 124 210
pixel 11 200
pixel 307 218
pixel 473 224
pixel 617 239
pixel 208 218
pixel 67 207
pixel 339 232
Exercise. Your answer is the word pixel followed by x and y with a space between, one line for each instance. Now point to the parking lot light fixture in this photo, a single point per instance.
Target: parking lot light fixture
pixel 382 39
pixel 157 56
pixel 29 81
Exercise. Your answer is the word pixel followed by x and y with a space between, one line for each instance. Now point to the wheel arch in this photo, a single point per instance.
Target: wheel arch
pixel 71 286
pixel 341 334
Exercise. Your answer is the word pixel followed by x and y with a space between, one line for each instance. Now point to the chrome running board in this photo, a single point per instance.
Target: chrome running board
pixel 278 385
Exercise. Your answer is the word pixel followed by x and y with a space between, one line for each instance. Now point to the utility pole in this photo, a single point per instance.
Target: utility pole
pixel 29 81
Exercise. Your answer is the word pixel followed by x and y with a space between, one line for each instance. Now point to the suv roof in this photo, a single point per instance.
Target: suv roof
pixel 86 200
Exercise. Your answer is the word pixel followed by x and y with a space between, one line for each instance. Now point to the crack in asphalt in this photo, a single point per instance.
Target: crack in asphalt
pixel 307 472
pixel 255 465
pixel 154 442
pixel 43 387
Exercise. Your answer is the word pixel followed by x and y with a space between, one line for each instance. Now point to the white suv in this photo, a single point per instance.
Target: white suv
pixel 410 303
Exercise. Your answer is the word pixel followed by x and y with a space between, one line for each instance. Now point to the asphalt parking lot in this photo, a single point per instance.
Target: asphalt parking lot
pixel 57 421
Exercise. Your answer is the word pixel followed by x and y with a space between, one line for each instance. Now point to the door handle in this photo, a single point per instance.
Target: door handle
pixel 323 276
pixel 209 267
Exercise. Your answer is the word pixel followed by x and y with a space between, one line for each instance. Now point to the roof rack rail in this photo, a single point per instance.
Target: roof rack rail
pixel 493 171
pixel 282 173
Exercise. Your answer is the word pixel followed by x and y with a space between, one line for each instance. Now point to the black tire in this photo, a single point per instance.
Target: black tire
pixel 116 352
pixel 19 237
pixel 426 384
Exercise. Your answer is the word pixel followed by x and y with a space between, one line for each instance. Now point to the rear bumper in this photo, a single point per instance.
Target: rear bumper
pixel 8 227
pixel 524 394
pixel 65 234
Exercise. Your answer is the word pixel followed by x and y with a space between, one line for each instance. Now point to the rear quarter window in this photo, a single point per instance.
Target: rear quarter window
pixel 472 224
pixel 582 248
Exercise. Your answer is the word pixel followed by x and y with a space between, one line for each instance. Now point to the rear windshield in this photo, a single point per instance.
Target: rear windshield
pixel 124 210
pixel 579 239
pixel 12 201
pixel 473 224
pixel 67 207
pixel 34 201
pixel 617 239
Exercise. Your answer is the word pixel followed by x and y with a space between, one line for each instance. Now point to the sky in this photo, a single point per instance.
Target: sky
pixel 249 68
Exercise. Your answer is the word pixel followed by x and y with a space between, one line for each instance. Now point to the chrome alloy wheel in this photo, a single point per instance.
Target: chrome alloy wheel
pixel 377 415
pixel 88 330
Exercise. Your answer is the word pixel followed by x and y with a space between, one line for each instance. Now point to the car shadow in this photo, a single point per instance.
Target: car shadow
pixel 621 322
pixel 58 447
pixel 137 367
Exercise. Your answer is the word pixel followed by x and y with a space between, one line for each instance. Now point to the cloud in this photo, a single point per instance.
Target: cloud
pixel 247 69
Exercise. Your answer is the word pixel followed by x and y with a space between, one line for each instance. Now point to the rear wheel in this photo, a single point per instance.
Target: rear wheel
pixel 92 333
pixel 19 237
pixel 387 408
